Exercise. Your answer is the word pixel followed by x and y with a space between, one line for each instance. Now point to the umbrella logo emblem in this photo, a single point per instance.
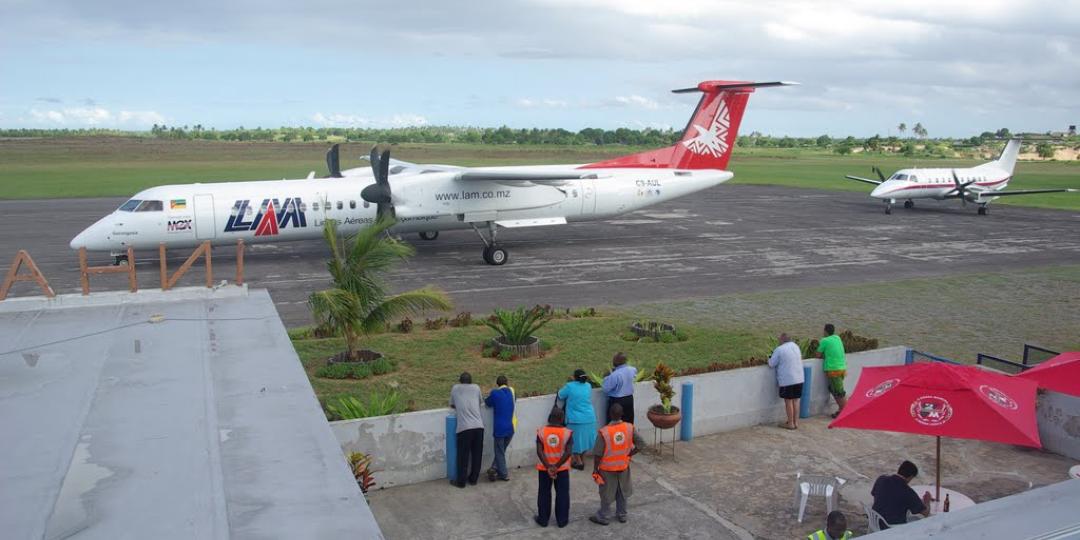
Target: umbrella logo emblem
pixel 999 398
pixel 931 410
pixel 882 387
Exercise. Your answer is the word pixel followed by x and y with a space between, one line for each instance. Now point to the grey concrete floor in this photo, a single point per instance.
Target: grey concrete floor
pixel 734 238
pixel 738 484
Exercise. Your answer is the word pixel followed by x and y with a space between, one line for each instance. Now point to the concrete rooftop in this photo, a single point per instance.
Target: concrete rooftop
pixel 183 414
pixel 738 484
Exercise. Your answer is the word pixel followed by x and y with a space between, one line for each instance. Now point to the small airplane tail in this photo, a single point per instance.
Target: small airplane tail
pixel 1007 159
pixel 710 134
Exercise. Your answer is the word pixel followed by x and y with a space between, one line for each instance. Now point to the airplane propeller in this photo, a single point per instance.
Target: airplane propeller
pixel 960 188
pixel 878 171
pixel 333 162
pixel 379 192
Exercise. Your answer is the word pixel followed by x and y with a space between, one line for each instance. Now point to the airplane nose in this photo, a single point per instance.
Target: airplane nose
pixel 882 191
pixel 92 238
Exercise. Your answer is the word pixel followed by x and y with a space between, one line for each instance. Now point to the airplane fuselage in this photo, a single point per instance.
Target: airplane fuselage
pixel 282 210
pixel 939 183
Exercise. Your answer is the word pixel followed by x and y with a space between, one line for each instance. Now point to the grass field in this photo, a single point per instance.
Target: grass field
pixel 121 166
pixel 955 317
pixel 429 361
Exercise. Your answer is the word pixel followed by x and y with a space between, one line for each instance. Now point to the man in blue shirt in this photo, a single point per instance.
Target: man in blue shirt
pixel 501 401
pixel 619 386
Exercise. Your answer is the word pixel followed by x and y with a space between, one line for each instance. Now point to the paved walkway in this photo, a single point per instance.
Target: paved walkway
pixel 732 485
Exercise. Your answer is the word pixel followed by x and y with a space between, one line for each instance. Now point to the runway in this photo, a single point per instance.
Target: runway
pixel 733 238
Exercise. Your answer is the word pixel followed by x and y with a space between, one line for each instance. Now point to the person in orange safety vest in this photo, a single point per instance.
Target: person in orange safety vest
pixel 553 446
pixel 611 461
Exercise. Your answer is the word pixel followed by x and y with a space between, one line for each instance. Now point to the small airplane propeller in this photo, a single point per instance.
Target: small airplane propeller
pixel 333 162
pixel 961 188
pixel 878 171
pixel 379 192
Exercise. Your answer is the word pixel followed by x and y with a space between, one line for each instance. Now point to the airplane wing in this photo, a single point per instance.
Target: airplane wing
pixel 522 177
pixel 861 179
pixel 1026 192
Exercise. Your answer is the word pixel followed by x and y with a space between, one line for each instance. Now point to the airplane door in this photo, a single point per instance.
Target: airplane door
pixel 205 228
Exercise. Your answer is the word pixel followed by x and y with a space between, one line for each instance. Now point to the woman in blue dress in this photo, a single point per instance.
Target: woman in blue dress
pixel 580 416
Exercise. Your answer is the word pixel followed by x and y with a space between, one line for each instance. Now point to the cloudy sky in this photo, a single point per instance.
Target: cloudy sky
pixel 958 67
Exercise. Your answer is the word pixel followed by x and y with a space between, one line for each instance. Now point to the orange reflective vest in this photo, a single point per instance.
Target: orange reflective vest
pixel 553 439
pixel 618 442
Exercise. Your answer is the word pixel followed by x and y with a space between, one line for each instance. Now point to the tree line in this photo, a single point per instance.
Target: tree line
pixel 921 145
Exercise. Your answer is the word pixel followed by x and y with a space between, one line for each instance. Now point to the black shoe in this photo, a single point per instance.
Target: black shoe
pixel 504 478
pixel 472 482
pixel 491 475
pixel 580 467
pixel 540 523
pixel 599 521
pixel 622 519
pixel 458 484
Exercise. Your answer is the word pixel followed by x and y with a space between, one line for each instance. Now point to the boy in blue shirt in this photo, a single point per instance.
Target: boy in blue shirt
pixel 501 401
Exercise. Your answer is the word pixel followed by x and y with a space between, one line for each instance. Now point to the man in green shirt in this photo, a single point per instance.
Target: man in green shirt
pixel 831 350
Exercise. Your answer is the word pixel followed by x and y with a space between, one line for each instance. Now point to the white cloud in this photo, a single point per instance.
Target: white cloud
pixel 96 116
pixel 637 101
pixel 357 121
pixel 545 103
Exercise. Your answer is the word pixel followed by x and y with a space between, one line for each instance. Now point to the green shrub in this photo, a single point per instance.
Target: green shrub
pixel 668 337
pixel 629 336
pixel 382 366
pixel 405 326
pixel 350 407
pixel 461 320
pixel 516 326
pixel 505 355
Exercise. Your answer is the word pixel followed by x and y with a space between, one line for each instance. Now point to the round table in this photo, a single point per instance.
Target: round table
pixel 1074 472
pixel 957 500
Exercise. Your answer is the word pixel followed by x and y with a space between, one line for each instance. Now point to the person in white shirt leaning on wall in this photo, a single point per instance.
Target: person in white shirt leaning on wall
pixel 786 359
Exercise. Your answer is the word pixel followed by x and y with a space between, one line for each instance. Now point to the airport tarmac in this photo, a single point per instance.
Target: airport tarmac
pixel 733 238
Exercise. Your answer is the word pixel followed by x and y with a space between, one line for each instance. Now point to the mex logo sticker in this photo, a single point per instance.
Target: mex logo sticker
pixel 271 216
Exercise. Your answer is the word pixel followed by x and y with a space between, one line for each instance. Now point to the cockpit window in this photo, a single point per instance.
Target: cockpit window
pixel 913 178
pixel 130 206
pixel 150 206
pixel 901 177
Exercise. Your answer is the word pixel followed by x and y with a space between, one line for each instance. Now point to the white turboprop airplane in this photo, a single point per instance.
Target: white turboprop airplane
pixel 429 198
pixel 980 184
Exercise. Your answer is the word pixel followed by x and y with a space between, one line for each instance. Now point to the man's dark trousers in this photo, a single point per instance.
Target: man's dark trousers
pixel 627 403
pixel 562 498
pixel 470 451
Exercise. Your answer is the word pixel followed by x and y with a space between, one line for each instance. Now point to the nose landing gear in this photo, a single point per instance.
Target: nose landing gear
pixel 429 235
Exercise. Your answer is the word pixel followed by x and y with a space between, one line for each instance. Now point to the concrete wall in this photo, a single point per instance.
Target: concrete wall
pixel 1059 423
pixel 410 448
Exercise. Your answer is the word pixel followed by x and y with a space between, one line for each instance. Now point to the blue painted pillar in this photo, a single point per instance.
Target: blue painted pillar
pixel 451 447
pixel 804 401
pixel 909 356
pixel 686 430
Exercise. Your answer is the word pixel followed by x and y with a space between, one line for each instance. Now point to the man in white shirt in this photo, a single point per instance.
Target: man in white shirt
pixel 786 359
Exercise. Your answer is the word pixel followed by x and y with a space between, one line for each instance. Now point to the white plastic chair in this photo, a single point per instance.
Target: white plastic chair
pixel 818 485
pixel 875 519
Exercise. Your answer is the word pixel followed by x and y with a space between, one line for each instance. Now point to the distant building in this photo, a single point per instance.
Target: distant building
pixel 1072 130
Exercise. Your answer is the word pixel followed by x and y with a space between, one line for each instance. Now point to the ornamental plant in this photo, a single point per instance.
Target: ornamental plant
pixel 662 383
pixel 518 325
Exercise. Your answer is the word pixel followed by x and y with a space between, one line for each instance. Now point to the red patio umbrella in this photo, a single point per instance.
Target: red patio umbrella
pixel 1060 373
pixel 943 400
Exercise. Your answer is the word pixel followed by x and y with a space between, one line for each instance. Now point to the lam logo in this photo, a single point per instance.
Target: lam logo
pixel 270 218
pixel 999 398
pixel 882 387
pixel 712 141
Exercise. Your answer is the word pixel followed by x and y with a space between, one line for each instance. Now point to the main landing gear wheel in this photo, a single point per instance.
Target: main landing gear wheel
pixel 909 204
pixel 983 210
pixel 120 259
pixel 426 235
pixel 888 208
pixel 495 255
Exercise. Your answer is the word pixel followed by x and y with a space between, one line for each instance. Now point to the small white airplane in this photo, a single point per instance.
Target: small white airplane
pixel 429 198
pixel 980 184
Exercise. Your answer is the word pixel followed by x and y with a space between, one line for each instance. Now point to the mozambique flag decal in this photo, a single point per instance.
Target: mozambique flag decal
pixel 178 204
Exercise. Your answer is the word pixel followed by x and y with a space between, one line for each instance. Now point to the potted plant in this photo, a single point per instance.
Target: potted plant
pixel 516 328
pixel 665 415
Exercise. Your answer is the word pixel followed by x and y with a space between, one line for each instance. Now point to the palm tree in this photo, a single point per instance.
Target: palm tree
pixel 357 304
pixel 902 128
pixel 919 130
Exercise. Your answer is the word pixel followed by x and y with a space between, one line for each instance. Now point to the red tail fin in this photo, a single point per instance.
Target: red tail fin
pixel 709 136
